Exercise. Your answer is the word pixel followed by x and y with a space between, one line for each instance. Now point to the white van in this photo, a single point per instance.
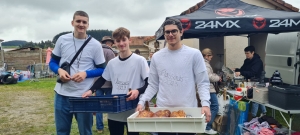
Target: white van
pixel 283 54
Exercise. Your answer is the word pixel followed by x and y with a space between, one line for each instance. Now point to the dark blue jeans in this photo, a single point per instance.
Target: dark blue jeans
pixel 255 109
pixel 99 116
pixel 63 117
pixel 214 108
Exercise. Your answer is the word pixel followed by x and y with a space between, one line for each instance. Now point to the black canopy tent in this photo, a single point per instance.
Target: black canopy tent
pixel 234 17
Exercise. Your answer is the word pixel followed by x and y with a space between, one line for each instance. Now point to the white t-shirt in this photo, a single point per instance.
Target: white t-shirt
pixel 123 75
pixel 173 75
pixel 91 55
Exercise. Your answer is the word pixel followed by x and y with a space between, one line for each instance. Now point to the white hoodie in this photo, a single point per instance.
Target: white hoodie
pixel 173 75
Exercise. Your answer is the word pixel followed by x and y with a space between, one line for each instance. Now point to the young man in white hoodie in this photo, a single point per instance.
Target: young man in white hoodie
pixel 174 71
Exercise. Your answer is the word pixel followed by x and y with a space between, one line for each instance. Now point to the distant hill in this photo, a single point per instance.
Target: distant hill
pixel 14 43
pixel 97 34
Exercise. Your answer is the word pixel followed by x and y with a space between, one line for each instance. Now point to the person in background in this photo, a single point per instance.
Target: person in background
pixel 137 51
pixel 116 52
pixel 252 68
pixel 89 64
pixel 253 65
pixel 106 89
pixel 12 69
pixel 214 105
pixel 107 41
pixel 150 56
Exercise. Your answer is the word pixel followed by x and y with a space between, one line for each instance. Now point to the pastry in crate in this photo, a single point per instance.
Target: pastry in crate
pixel 146 113
pixel 162 113
pixel 178 114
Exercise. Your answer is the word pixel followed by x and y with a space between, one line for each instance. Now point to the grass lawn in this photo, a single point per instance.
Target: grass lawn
pixel 9 47
pixel 278 117
pixel 27 109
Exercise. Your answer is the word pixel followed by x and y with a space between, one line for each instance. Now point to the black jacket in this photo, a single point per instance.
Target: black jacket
pixel 252 68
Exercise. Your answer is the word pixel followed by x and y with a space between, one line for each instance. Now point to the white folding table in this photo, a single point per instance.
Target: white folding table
pixel 274 108
pixel 280 110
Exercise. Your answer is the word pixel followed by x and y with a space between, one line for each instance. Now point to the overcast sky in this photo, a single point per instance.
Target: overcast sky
pixel 36 20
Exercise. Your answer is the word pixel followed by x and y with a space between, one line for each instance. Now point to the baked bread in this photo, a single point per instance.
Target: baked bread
pixel 145 114
pixel 178 114
pixel 162 113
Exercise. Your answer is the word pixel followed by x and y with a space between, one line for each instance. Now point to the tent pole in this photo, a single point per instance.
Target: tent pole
pixel 248 40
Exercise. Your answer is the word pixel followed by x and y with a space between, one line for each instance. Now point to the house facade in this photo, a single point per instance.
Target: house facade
pixel 150 42
pixel 22 57
pixel 137 42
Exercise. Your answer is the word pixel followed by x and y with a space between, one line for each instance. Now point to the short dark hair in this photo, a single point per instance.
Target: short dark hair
pixel 250 49
pixel 173 21
pixel 80 13
pixel 137 51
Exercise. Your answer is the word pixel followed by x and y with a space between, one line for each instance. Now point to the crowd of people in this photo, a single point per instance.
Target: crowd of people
pixel 172 75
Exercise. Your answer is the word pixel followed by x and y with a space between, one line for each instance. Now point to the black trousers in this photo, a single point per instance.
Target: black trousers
pixel 117 128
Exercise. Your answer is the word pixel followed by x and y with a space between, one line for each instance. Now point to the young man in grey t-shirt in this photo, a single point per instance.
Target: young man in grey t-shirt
pixel 88 64
pixel 174 71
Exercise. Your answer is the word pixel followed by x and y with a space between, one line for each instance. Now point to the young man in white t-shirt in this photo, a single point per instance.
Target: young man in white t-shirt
pixel 90 63
pixel 174 71
pixel 127 71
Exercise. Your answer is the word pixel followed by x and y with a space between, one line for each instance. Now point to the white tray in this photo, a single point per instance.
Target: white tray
pixel 195 124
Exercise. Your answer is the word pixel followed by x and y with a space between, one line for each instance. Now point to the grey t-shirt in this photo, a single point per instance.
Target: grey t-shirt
pixel 173 75
pixel 92 54
pixel 130 73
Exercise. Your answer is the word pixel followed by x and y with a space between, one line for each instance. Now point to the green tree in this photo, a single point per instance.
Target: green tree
pixel 58 35
pixel 97 34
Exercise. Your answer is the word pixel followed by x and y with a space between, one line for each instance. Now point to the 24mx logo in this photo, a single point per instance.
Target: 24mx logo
pixel 284 23
pixel 217 24
pixel 259 22
pixel 186 24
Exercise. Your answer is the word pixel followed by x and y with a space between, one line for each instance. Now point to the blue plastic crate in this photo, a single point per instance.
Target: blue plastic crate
pixel 132 104
pixel 104 104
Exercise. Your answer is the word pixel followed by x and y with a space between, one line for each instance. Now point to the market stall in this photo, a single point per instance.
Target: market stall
pixel 218 18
